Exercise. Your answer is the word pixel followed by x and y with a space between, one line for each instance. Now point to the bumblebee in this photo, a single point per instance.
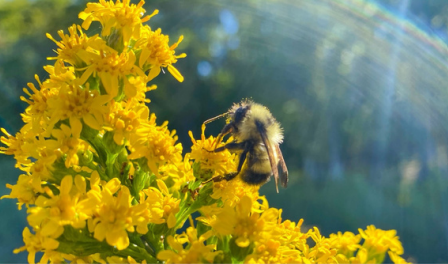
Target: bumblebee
pixel 257 136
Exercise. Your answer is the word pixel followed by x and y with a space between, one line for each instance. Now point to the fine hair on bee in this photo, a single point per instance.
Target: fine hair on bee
pixel 257 136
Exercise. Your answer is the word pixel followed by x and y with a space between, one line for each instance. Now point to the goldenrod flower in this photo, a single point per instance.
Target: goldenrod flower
pixel 68 145
pixel 122 17
pixel 246 226
pixel 220 163
pixel 156 144
pixel 18 145
pixel 170 204
pixel 232 191
pixel 175 175
pixel 194 252
pixel 322 252
pixel 378 241
pixel 346 243
pixel 289 233
pixel 71 45
pixel 150 209
pixel 271 251
pixel 113 217
pixel 159 206
pixel 77 104
pixel 112 68
pixel 123 118
pixel 37 114
pixel 138 88
pixel 25 191
pixel 35 243
pixel 156 53
pixel 66 208
pixel 59 74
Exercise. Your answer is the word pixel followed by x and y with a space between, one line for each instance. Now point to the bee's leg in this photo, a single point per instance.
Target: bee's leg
pixel 232 147
pixel 225 130
pixel 245 146
pixel 226 177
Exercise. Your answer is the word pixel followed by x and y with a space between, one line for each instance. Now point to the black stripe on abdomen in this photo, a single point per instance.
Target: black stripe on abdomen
pixel 255 178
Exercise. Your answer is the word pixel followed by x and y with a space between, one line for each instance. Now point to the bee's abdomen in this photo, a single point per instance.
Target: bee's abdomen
pixel 254 178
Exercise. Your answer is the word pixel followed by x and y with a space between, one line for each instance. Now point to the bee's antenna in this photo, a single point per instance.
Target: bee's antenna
pixel 214 118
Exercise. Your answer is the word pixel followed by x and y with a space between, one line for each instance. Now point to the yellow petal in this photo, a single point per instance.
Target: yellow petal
pixel 80 183
pixel 176 74
pixel 144 55
pixel 76 126
pixel 94 179
pixel 91 122
pixel 166 254
pixel 242 242
pixel 113 185
pixel 118 238
pixel 110 83
pixel 100 232
pixel 245 206
pixel 86 74
pixel 129 89
pixel 66 184
pixel 162 187
pixel 142 229
pixel 153 73
pixel 171 221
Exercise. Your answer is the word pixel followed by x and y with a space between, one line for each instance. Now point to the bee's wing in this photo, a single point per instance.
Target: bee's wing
pixel 281 167
pixel 271 152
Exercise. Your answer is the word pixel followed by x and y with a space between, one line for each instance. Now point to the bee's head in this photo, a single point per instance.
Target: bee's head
pixel 238 112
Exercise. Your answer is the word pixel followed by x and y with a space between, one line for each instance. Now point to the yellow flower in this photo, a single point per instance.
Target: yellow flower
pixel 270 251
pixel 70 45
pixel 37 112
pixel 112 68
pixel 139 84
pixel 159 206
pixel 176 175
pixel 346 243
pixel 76 104
pixel 170 204
pixel 232 191
pixel 113 216
pixel 123 17
pixel 51 214
pixel 220 163
pixel 194 252
pixel 156 144
pixel 379 241
pixel 244 224
pixel 59 74
pixel 68 145
pixel 42 168
pixel 25 191
pixel 123 118
pixel 289 234
pixel 156 53
pixel 149 210
pixel 322 252
pixel 18 145
pixel 35 243
pixel 26 145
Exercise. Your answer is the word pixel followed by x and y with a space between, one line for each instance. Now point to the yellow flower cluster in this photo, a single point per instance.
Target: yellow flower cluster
pixel 104 183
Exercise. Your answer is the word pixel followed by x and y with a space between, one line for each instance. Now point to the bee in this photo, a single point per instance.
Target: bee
pixel 257 136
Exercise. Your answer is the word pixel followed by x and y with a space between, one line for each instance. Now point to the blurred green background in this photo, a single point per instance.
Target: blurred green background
pixel 358 86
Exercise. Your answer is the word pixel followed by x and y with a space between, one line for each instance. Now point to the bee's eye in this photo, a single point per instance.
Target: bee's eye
pixel 240 113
